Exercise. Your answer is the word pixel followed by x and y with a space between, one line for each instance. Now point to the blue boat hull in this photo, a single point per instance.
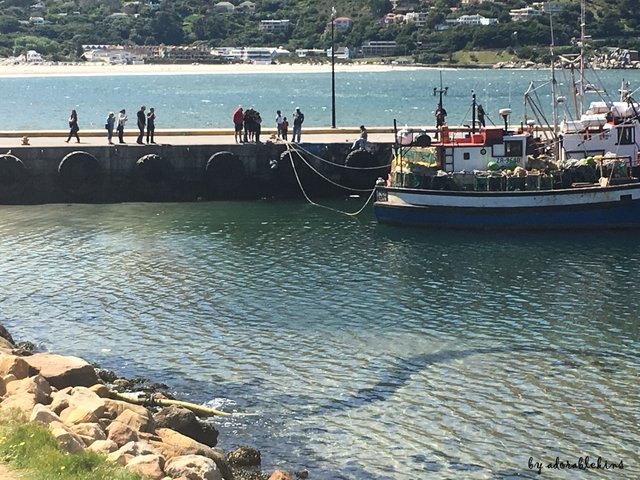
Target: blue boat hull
pixel 541 214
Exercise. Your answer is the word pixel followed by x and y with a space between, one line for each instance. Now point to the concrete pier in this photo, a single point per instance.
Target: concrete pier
pixel 39 167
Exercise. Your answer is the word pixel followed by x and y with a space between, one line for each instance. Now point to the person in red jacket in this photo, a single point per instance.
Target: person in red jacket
pixel 238 119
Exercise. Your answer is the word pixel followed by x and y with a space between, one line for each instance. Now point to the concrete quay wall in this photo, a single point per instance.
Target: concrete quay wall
pixel 47 172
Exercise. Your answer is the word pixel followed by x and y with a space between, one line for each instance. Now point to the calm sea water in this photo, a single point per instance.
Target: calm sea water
pixel 199 101
pixel 365 351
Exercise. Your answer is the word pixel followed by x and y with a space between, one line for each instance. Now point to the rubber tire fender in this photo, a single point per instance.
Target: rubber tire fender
pixel 79 171
pixel 13 174
pixel 153 169
pixel 225 172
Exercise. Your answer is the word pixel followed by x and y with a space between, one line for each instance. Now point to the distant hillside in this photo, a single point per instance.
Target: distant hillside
pixel 58 28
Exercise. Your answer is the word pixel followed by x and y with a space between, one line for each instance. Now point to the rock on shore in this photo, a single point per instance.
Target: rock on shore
pixel 65 395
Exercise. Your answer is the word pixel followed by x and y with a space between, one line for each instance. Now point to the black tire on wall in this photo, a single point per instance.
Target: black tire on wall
pixel 13 176
pixel 225 173
pixel 361 175
pixel 79 172
pixel 152 169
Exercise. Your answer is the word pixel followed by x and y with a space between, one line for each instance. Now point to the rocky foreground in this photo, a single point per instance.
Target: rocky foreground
pixel 66 395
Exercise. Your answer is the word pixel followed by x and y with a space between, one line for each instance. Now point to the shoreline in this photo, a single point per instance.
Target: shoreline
pixel 101 69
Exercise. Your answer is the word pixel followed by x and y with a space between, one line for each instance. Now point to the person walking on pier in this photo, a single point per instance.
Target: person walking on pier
pixel 109 125
pixel 73 126
pixel 298 120
pixel 122 119
pixel 151 124
pixel 238 121
pixel 279 121
pixel 285 128
pixel 142 122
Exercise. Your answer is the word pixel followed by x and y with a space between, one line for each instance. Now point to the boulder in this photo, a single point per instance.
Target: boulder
pixel 244 457
pixel 195 467
pixel 62 371
pixel 280 475
pixel 121 433
pixel 38 386
pixel 6 346
pixel 139 421
pixel 3 387
pixel 116 407
pixel 43 415
pixel 13 365
pixel 88 432
pixel 124 454
pixel 69 442
pixel 4 334
pixel 59 402
pixel 103 446
pixel 175 444
pixel 84 407
pixel 149 466
pixel 185 422
pixel 101 390
pixel 22 401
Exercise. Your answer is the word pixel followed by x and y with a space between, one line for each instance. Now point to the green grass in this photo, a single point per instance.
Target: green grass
pixel 33 451
pixel 482 57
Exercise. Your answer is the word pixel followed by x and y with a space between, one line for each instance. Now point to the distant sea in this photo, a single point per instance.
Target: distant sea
pixel 207 100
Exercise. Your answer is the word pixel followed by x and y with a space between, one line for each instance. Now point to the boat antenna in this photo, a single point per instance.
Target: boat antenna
pixel 554 82
pixel 440 91
pixel 582 53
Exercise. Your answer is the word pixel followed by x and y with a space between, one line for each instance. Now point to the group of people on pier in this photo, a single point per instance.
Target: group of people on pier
pixel 248 125
pixel 146 122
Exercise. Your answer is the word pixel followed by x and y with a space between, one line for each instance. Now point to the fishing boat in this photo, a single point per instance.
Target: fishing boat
pixel 580 176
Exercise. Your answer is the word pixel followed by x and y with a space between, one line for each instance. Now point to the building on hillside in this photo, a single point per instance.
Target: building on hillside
pixel 341 52
pixel 472 20
pixel 404 6
pixel 548 7
pixel 379 48
pixel 274 26
pixel 392 18
pixel 224 7
pixel 476 2
pixel 246 7
pixel 419 18
pixel 341 24
pixel 37 21
pixel 184 54
pixel 520 14
pixel 309 52
pixel 33 57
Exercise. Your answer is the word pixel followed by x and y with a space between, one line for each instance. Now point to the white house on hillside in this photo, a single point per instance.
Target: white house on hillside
pixel 419 18
pixel 520 14
pixel 472 20
pixel 224 7
pixel 274 26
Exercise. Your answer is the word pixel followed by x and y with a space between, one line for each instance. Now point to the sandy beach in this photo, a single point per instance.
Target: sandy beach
pixel 84 69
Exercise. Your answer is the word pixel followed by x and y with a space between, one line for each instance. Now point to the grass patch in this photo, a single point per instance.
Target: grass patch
pixel 482 57
pixel 35 452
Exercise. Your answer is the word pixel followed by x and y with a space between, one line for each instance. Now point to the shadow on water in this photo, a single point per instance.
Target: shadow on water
pixel 393 380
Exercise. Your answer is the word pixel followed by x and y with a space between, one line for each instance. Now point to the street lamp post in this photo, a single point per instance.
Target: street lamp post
pixel 333 70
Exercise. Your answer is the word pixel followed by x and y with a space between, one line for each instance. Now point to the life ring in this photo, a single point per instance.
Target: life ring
pixel 360 174
pixel 153 169
pixel 225 172
pixel 13 176
pixel 79 172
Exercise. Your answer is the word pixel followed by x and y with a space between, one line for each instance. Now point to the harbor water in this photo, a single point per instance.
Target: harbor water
pixel 364 351
pixel 207 100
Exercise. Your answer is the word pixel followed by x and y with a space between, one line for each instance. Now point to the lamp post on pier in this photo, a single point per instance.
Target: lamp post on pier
pixel 333 70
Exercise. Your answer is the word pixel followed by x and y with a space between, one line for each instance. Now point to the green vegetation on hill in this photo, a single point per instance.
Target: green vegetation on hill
pixel 71 23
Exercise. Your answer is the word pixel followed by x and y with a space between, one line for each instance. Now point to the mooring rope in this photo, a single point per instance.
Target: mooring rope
pixel 349 167
pixel 295 172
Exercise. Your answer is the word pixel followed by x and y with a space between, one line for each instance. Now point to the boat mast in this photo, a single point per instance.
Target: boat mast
pixel 582 53
pixel 554 82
